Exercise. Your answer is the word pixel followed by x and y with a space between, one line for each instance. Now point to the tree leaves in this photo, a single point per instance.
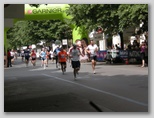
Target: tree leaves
pixel 32 32
pixel 113 17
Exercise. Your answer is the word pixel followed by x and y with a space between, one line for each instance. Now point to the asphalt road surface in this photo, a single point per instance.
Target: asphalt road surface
pixel 114 88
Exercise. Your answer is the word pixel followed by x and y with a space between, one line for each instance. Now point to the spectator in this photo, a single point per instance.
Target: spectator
pixel 9 59
pixel 12 56
pixel 117 47
pixel 143 48
pixel 108 57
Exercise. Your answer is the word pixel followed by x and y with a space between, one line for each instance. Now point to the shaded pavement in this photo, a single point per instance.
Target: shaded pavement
pixel 114 88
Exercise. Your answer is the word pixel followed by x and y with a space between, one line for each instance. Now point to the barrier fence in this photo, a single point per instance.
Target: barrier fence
pixel 132 56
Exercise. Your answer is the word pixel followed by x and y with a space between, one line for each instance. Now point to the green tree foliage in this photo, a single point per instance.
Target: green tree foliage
pixel 49 30
pixel 112 17
pixel 131 14
pixel 18 35
pixel 32 32
pixel 93 15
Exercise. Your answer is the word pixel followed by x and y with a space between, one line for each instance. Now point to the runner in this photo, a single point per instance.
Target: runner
pixel 56 51
pixel 62 57
pixel 22 55
pixel 52 56
pixel 43 58
pixel 69 58
pixel 74 54
pixel 33 58
pixel 27 56
pixel 92 51
pixel 47 57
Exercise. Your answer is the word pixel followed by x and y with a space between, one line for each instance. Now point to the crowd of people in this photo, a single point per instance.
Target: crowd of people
pixel 79 52
pixel 75 54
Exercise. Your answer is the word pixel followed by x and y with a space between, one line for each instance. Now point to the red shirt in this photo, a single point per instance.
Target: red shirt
pixel 8 54
pixel 33 55
pixel 62 56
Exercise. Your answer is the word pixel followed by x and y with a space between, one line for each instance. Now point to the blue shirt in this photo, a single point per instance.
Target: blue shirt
pixel 43 54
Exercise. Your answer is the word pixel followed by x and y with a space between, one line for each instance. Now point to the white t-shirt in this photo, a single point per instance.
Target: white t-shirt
pixel 51 54
pixel 12 53
pixel 92 49
pixel 75 54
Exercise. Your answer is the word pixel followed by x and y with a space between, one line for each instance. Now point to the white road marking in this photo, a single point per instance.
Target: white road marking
pixel 101 91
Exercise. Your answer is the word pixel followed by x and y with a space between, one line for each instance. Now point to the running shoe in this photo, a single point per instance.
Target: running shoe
pixel 94 72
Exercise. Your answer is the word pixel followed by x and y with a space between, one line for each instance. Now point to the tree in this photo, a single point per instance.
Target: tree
pixel 32 32
pixel 50 30
pixel 112 17
pixel 93 15
pixel 131 14
pixel 18 35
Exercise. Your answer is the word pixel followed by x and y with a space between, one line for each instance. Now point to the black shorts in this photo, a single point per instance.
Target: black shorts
pixel 22 55
pixel 33 58
pixel 93 58
pixel 63 63
pixel 43 58
pixel 143 55
pixel 27 58
pixel 75 64
pixel 12 57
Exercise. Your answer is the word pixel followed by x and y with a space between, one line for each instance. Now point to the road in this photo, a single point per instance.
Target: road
pixel 114 88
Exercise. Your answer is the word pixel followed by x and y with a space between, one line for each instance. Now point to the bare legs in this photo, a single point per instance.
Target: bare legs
pixel 143 63
pixel 75 72
pixel 93 62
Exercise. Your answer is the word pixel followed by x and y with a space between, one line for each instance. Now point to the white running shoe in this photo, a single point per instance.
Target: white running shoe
pixel 94 72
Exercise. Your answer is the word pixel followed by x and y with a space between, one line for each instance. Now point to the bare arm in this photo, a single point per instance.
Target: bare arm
pixel 87 50
pixel 80 53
